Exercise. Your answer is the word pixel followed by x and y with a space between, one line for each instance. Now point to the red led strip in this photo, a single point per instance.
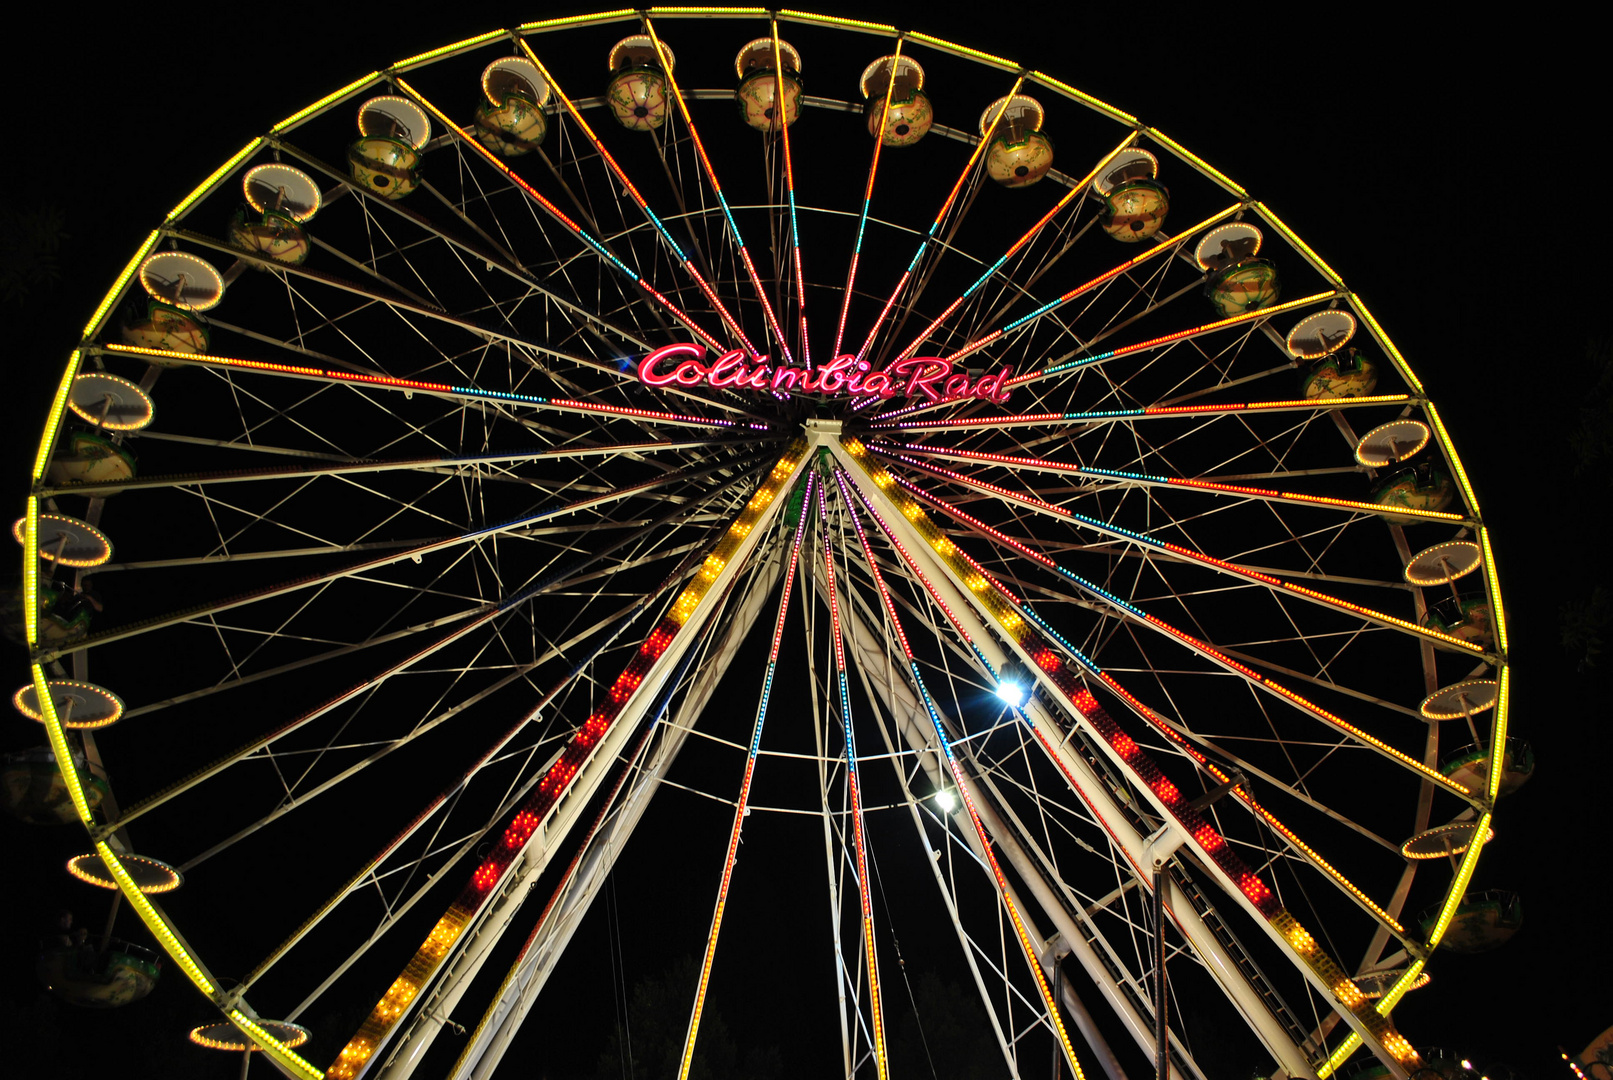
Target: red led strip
pixel 952 197
pixel 1029 948
pixel 854 793
pixel 716 189
pixel 1045 465
pixel 1194 643
pixel 1200 832
pixel 554 211
pixel 357 378
pixel 741 806
pixel 1192 556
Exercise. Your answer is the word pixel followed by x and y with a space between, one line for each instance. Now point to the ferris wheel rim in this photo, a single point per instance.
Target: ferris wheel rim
pixel 30 529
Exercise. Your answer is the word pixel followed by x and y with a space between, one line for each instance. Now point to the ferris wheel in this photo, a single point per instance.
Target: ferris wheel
pixel 524 437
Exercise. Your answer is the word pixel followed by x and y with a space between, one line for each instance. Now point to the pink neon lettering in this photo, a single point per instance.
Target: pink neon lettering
pixel 646 368
pixel 925 371
pixel 730 362
pixel 929 377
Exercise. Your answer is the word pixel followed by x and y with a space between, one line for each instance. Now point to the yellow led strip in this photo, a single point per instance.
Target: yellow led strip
pixel 1326 970
pixel 1293 238
pixel 154 920
pixel 685 12
pixel 964 50
pixel 1470 860
pixel 420 58
pixel 273 1047
pixel 835 20
pixel 218 174
pixel 423 967
pixel 1339 1057
pixel 1216 174
pixel 577 20
pixel 1497 616
pixel 116 290
pixel 1389 346
pixel 325 102
pixel 47 440
pixel 1320 863
pixel 1498 733
pixel 1086 99
pixel 1450 455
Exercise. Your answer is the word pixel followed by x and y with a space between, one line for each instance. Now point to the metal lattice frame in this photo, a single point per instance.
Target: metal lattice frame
pixel 413 501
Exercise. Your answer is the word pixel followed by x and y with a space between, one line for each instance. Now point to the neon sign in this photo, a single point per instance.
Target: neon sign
pixel 927 377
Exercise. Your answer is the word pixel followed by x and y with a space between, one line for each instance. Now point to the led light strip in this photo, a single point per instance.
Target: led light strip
pixel 1161 248
pixel 741 806
pixel 354 1057
pixel 554 212
pixel 1389 346
pixel 1065 89
pixel 716 189
pixel 782 112
pixel 643 205
pixel 854 794
pixel 1154 412
pixel 325 102
pixel 1077 190
pixel 1292 237
pixel 1197 162
pixel 935 226
pixel 542 26
pixel 1027 946
pixel 155 921
pixel 1152 717
pixel 388 382
pixel 1256 315
pixel 1199 832
pixel 1189 555
pixel 1047 465
pixel 868 197
pixel 420 58
pixel 832 20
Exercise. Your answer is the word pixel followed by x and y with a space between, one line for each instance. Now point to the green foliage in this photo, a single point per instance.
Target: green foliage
pixel 30 244
pixel 1585 620
pixel 948 1035
pixel 658 1019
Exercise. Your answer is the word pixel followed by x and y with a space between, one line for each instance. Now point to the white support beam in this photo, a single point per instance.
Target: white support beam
pixel 506 1015
pixel 482 931
pixel 1094 791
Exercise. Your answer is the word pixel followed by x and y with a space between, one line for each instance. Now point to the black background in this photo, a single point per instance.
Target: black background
pixel 1447 165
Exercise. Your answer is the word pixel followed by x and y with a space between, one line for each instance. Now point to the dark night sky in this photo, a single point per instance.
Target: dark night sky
pixel 1445 168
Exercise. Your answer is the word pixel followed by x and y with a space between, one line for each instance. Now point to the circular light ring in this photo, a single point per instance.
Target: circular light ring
pixel 130 408
pixel 1014 107
pixel 79 705
pixel 1321 334
pixel 1375 984
pixel 514 75
pixel 1209 254
pixel 400 118
pixel 224 1035
pixel 1126 165
pixel 1444 840
pixel 638 41
pixel 1446 703
pixel 899 66
pixel 86 545
pixel 1444 562
pixel 787 53
pixel 150 875
pixel 1392 443
pixel 184 280
pixel 281 189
